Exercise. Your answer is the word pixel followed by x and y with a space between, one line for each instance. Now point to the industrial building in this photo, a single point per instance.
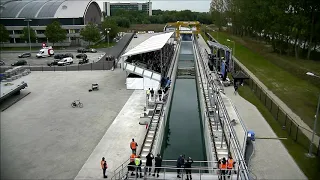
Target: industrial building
pixel 111 8
pixel 73 15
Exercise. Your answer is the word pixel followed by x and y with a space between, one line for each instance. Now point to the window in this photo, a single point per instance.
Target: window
pixel 10 31
pixel 72 31
pixel 40 31
pixel 17 31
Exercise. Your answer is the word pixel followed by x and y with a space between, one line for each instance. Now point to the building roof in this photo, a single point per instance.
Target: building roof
pixel 35 9
pixel 154 43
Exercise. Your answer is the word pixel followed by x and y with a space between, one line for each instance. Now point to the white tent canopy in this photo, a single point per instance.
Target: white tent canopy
pixel 154 43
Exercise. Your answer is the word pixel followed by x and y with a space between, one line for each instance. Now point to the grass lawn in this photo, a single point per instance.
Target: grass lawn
pixel 146 27
pixel 310 167
pixel 284 76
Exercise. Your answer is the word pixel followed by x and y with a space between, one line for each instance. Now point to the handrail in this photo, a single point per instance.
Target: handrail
pixel 207 111
pixel 231 130
pixel 156 130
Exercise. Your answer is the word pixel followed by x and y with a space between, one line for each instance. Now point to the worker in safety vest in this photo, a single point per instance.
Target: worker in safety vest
pixel 230 165
pixel 133 146
pixel 223 167
pixel 138 163
pixel 148 93
pixel 104 167
pixel 131 165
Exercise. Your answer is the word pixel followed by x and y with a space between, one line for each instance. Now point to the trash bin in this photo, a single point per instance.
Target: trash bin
pixel 251 135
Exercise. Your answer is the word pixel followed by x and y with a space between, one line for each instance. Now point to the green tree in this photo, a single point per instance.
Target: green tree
pixel 90 33
pixel 110 25
pixel 55 33
pixel 4 34
pixel 25 34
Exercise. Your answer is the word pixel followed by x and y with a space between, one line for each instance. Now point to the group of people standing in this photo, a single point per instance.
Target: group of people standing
pixel 186 164
pixel 226 167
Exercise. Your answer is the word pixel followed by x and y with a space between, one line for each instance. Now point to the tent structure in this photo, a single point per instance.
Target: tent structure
pixel 145 78
pixel 154 43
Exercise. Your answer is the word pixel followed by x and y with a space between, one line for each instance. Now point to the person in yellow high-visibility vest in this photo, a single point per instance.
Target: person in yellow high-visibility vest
pixel 138 163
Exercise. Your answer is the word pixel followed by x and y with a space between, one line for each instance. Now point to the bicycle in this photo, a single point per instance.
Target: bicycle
pixel 76 103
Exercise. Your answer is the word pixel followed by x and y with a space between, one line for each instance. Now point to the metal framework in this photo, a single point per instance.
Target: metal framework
pixel 189 24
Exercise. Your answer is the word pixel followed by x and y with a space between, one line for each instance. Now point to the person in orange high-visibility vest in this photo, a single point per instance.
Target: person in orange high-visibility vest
pixel 223 167
pixel 131 165
pixel 230 165
pixel 104 167
pixel 133 146
pixel 132 157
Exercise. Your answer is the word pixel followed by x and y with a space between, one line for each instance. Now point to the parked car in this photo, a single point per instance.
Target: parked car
pixel 24 55
pixel 2 63
pixel 68 55
pixel 135 36
pixel 59 56
pixel 54 62
pixel 84 61
pixel 81 50
pixel 65 61
pixel 19 63
pixel 81 56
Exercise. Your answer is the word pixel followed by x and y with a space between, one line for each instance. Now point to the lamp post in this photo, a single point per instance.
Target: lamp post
pixel 29 20
pixel 108 31
pixel 315 121
pixel 233 52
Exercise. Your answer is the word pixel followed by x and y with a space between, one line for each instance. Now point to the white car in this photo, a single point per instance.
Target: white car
pixel 65 61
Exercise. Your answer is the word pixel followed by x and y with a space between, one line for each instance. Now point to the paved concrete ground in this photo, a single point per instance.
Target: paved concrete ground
pixel 271 159
pixel 115 144
pixel 11 57
pixel 42 137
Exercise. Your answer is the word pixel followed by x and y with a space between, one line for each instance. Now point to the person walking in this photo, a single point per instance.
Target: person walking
pixel 152 93
pixel 235 87
pixel 149 158
pixel 230 165
pixel 187 167
pixel 138 163
pixel 131 165
pixel 180 163
pixel 157 164
pixel 104 167
pixel 223 167
pixel 160 94
pixel 148 93
pixel 133 146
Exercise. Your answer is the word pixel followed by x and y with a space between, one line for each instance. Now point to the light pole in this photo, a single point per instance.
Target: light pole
pixel 233 52
pixel 108 31
pixel 29 20
pixel 315 121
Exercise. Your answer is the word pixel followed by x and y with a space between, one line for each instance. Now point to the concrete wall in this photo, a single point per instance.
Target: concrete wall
pixel 163 122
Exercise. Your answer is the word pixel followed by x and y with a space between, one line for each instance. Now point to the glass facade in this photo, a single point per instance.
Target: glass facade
pixel 114 7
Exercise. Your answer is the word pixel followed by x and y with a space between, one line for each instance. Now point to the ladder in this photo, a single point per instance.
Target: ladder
pixel 153 125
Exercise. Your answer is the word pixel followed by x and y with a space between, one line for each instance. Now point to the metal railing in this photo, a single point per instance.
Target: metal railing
pixel 232 141
pixel 168 170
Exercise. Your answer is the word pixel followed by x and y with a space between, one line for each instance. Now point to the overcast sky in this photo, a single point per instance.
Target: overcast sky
pixel 193 5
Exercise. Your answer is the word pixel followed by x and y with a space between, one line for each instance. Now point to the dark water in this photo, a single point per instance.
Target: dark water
pixel 184 130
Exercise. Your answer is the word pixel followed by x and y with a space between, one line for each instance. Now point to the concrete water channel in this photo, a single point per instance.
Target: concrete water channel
pixel 183 132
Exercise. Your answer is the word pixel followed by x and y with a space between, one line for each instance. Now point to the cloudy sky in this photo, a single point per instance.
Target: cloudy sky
pixel 193 5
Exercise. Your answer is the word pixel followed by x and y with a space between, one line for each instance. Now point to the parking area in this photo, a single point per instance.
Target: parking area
pixel 11 57
pixel 43 137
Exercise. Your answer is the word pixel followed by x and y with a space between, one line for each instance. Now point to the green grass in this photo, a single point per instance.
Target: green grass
pixel 309 166
pixel 102 45
pixel 299 94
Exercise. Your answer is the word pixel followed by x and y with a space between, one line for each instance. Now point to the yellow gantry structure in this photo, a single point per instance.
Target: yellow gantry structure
pixel 188 24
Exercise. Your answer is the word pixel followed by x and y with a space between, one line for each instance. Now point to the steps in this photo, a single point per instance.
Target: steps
pixel 141 71
pixel 152 131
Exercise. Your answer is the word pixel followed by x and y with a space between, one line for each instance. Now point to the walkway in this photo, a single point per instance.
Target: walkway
pixel 271 160
pixel 114 145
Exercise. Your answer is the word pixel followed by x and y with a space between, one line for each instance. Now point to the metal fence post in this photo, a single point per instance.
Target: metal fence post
pixel 91 66
pixel 265 99
pixel 278 115
pixel 290 125
pixel 260 93
pixel 270 105
pixel 297 133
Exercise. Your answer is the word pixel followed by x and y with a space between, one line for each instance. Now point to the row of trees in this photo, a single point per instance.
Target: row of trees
pixel 125 18
pixel 290 26
pixel 54 33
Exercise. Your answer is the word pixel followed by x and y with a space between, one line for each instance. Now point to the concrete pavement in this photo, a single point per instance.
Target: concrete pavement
pixel 115 144
pixel 43 137
pixel 271 160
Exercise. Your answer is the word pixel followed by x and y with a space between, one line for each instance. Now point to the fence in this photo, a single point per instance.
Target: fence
pixel 294 130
